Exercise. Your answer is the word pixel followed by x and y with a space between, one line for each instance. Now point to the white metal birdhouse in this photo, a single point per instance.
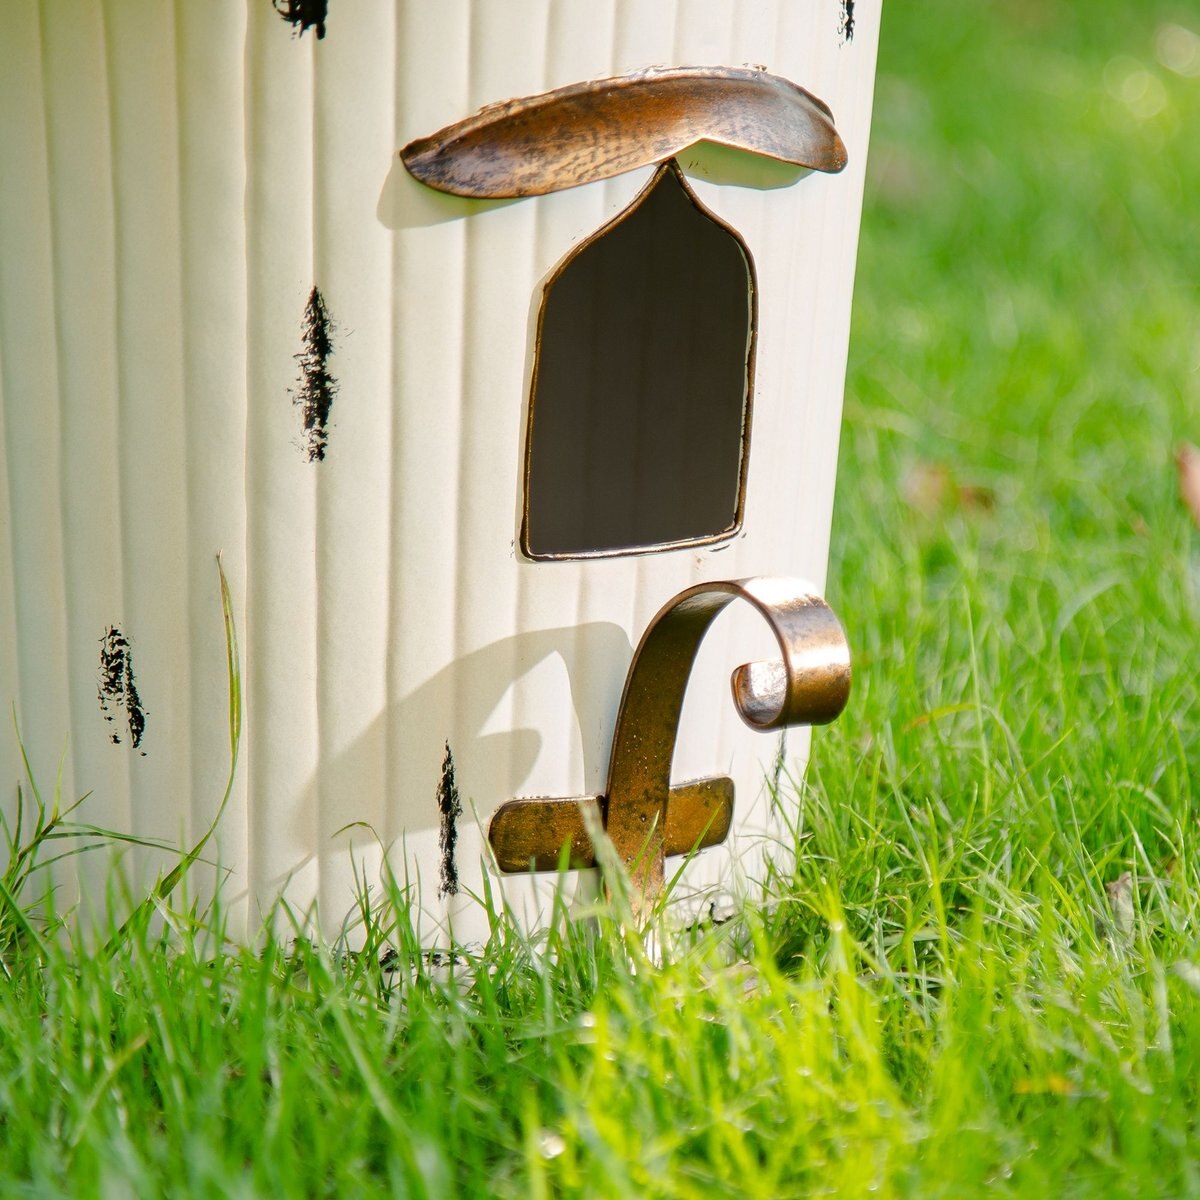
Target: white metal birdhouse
pixel 473 336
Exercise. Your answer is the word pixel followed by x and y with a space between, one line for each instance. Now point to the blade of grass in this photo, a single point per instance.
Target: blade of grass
pixel 167 884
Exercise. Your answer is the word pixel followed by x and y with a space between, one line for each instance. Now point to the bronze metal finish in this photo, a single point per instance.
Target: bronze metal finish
pixel 531 833
pixel 809 684
pixel 603 127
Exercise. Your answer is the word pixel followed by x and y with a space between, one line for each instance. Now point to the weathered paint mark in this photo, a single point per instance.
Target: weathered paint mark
pixel 316 387
pixel 118 688
pixel 303 14
pixel 449 810
pixel 846 25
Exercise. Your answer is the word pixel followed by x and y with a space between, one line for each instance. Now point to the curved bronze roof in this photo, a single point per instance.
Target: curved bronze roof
pixel 603 127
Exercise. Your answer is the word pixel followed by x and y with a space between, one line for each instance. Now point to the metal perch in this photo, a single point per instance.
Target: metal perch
pixel 644 816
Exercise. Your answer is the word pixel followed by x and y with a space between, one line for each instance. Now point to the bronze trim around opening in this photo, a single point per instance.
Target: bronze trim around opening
pixel 604 127
pixel 747 405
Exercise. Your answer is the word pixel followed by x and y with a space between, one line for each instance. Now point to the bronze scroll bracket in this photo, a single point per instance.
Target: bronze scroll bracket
pixel 644 817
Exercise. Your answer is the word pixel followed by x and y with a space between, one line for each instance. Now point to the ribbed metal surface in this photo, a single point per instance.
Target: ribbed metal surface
pixel 176 182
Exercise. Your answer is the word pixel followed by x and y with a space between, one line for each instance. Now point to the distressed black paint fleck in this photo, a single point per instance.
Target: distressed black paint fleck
pixel 449 809
pixel 316 387
pixel 303 14
pixel 118 688
pixel 846 25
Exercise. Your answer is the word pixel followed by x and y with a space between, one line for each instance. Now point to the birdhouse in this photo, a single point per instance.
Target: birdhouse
pixel 498 349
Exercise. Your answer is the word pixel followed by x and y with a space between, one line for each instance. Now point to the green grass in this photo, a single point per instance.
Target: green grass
pixel 940 999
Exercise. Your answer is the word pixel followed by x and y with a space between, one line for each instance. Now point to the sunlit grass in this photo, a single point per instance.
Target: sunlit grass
pixel 956 989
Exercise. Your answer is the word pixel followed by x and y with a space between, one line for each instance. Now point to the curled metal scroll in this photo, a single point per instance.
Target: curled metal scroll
pixel 809 684
pixel 603 127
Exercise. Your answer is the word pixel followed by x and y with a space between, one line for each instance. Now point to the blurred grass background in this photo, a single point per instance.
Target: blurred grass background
pixel 1025 361
pixel 1004 821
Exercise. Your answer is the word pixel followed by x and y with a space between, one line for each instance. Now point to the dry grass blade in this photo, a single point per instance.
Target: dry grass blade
pixel 931 488
pixel 1187 462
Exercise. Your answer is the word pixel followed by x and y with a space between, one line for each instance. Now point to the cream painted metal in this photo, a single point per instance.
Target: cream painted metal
pixel 174 181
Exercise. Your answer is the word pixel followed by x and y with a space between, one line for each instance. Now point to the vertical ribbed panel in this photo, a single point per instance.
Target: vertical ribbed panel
pixel 429 270
pixel 150 427
pixel 210 59
pixel 10 669
pixel 281 485
pixel 353 136
pixel 496 257
pixel 28 361
pixel 83 227
pixel 178 180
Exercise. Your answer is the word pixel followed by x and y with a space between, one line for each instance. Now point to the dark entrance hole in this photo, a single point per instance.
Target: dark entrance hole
pixel 639 421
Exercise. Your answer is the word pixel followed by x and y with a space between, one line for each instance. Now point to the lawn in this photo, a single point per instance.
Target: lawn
pixel 983 972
